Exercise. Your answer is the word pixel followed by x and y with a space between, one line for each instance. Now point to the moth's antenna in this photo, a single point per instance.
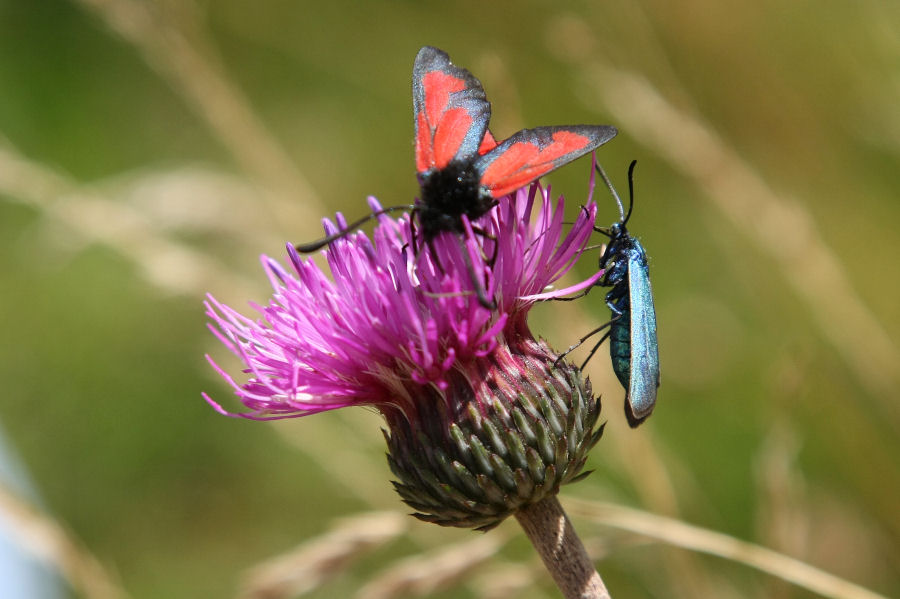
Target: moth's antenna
pixel 306 248
pixel 613 191
pixel 630 190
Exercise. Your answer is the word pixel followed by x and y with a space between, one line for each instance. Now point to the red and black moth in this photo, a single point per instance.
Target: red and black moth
pixel 461 168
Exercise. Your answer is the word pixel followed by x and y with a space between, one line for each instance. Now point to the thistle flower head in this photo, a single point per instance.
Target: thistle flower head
pixel 481 418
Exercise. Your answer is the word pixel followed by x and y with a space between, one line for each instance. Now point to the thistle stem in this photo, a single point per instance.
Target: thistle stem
pixel 563 553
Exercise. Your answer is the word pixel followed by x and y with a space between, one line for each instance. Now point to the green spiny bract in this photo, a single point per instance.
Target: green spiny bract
pixel 504 436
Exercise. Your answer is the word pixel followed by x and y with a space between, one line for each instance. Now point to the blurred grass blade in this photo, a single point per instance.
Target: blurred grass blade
pixel 171 266
pixel 48 541
pixel 314 563
pixel 680 534
pixel 426 574
pixel 202 82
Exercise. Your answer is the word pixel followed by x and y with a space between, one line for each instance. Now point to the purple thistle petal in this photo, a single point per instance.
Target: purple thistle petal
pixel 387 321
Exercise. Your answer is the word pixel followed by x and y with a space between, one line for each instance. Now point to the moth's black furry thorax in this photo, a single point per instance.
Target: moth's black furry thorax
pixel 622 251
pixel 448 194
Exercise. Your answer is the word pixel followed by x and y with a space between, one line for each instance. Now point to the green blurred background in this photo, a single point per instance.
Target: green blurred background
pixel 150 151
